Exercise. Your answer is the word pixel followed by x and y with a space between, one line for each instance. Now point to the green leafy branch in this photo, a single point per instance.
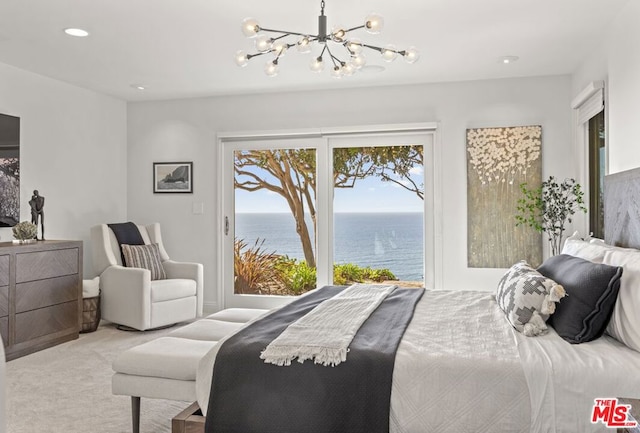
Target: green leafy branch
pixel 549 208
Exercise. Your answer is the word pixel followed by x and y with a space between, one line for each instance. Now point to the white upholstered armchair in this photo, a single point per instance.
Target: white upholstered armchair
pixel 128 295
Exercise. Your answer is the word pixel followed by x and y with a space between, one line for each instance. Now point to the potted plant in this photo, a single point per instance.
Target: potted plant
pixel 547 209
pixel 25 232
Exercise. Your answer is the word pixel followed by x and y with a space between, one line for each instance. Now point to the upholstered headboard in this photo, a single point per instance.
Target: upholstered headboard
pixel 622 209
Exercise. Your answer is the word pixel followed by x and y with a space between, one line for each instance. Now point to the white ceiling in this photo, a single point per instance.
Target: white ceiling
pixel 185 48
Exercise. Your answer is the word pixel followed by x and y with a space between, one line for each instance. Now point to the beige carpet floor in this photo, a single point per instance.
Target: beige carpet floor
pixel 67 388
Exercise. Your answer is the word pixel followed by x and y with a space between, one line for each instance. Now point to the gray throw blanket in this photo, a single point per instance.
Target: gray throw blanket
pixel 250 396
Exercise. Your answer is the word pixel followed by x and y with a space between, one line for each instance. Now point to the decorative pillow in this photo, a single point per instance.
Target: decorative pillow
pixel 527 298
pixel 592 290
pixel 624 325
pixel 592 251
pixel 144 256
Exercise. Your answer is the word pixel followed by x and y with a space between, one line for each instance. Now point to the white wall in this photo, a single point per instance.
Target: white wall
pixel 624 90
pixel 617 61
pixel 72 149
pixel 185 130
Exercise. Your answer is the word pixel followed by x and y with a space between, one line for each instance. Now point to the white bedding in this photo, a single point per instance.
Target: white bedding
pixel 461 367
pixel 564 379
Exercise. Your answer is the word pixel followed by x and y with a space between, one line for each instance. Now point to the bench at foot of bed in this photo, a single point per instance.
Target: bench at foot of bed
pixel 165 368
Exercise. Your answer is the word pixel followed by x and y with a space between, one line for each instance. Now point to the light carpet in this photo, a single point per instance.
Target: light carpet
pixel 67 388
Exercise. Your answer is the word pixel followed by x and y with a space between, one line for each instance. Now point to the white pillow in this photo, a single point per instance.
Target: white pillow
pixel 624 325
pixel 91 288
pixel 592 251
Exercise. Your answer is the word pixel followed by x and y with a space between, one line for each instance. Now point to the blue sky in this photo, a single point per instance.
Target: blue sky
pixel 368 195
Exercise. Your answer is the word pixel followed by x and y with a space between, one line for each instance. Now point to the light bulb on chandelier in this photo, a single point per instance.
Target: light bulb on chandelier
pixel 263 43
pixel 271 68
pixel 317 65
pixel 342 52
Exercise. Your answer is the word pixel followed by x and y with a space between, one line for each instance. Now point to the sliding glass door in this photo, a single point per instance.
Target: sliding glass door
pixel 378 211
pixel 270 220
pixel 300 213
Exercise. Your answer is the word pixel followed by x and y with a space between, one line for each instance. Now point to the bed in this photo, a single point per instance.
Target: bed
pixel 461 367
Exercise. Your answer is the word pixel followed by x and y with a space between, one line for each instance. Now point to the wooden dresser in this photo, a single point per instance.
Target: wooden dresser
pixel 40 295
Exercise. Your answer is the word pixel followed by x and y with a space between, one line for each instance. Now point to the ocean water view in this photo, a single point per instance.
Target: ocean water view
pixel 391 241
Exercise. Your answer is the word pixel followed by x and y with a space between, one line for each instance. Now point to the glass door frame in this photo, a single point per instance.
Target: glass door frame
pixel 426 140
pixel 324 142
pixel 229 298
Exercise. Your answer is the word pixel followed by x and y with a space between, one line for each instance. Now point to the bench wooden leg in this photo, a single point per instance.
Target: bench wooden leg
pixel 189 420
pixel 135 414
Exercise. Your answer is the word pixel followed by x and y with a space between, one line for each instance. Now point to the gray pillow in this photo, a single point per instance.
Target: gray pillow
pixel 527 298
pixel 146 257
pixel 592 291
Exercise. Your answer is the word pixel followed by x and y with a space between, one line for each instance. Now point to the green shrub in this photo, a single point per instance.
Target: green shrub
pixel 349 272
pixel 256 271
pixel 378 275
pixel 302 277
pixel 338 279
pixel 260 272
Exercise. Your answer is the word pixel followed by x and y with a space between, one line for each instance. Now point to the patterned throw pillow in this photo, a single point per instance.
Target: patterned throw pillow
pixel 527 298
pixel 144 256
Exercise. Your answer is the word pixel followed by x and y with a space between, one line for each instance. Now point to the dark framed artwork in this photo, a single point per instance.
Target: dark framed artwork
pixel 9 170
pixel 498 161
pixel 173 177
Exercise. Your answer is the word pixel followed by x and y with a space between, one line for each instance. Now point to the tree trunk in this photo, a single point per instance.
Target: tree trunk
pixel 297 210
pixel 307 246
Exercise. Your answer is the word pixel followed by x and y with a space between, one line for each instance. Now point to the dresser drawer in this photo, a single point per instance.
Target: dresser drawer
pixel 44 321
pixel 43 293
pixel 46 264
pixel 4 301
pixel 4 270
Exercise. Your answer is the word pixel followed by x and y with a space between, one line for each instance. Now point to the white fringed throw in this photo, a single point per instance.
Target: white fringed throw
pixel 324 333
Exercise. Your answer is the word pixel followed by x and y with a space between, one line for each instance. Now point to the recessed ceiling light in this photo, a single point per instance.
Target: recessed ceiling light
pixel 138 86
pixel 508 59
pixel 79 33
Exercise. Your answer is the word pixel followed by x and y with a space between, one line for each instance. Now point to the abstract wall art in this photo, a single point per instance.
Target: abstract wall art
pixel 498 161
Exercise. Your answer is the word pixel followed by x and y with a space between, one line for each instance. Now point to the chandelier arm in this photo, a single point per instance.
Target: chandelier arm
pixel 380 49
pixel 280 37
pixel 372 47
pixel 284 32
pixel 354 28
pixel 333 58
pixel 250 56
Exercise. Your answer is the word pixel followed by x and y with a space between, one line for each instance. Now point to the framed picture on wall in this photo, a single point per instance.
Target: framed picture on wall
pixel 173 177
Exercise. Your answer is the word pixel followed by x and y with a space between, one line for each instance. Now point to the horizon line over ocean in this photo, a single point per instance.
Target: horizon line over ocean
pixel 380 240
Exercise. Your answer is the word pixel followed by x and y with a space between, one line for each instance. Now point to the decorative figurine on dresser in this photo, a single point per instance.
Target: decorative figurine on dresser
pixel 37 211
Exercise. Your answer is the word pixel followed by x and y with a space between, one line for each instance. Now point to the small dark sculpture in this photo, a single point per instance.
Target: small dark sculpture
pixel 37 210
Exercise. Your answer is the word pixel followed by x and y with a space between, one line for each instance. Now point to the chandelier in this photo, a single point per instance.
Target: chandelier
pixel 343 53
